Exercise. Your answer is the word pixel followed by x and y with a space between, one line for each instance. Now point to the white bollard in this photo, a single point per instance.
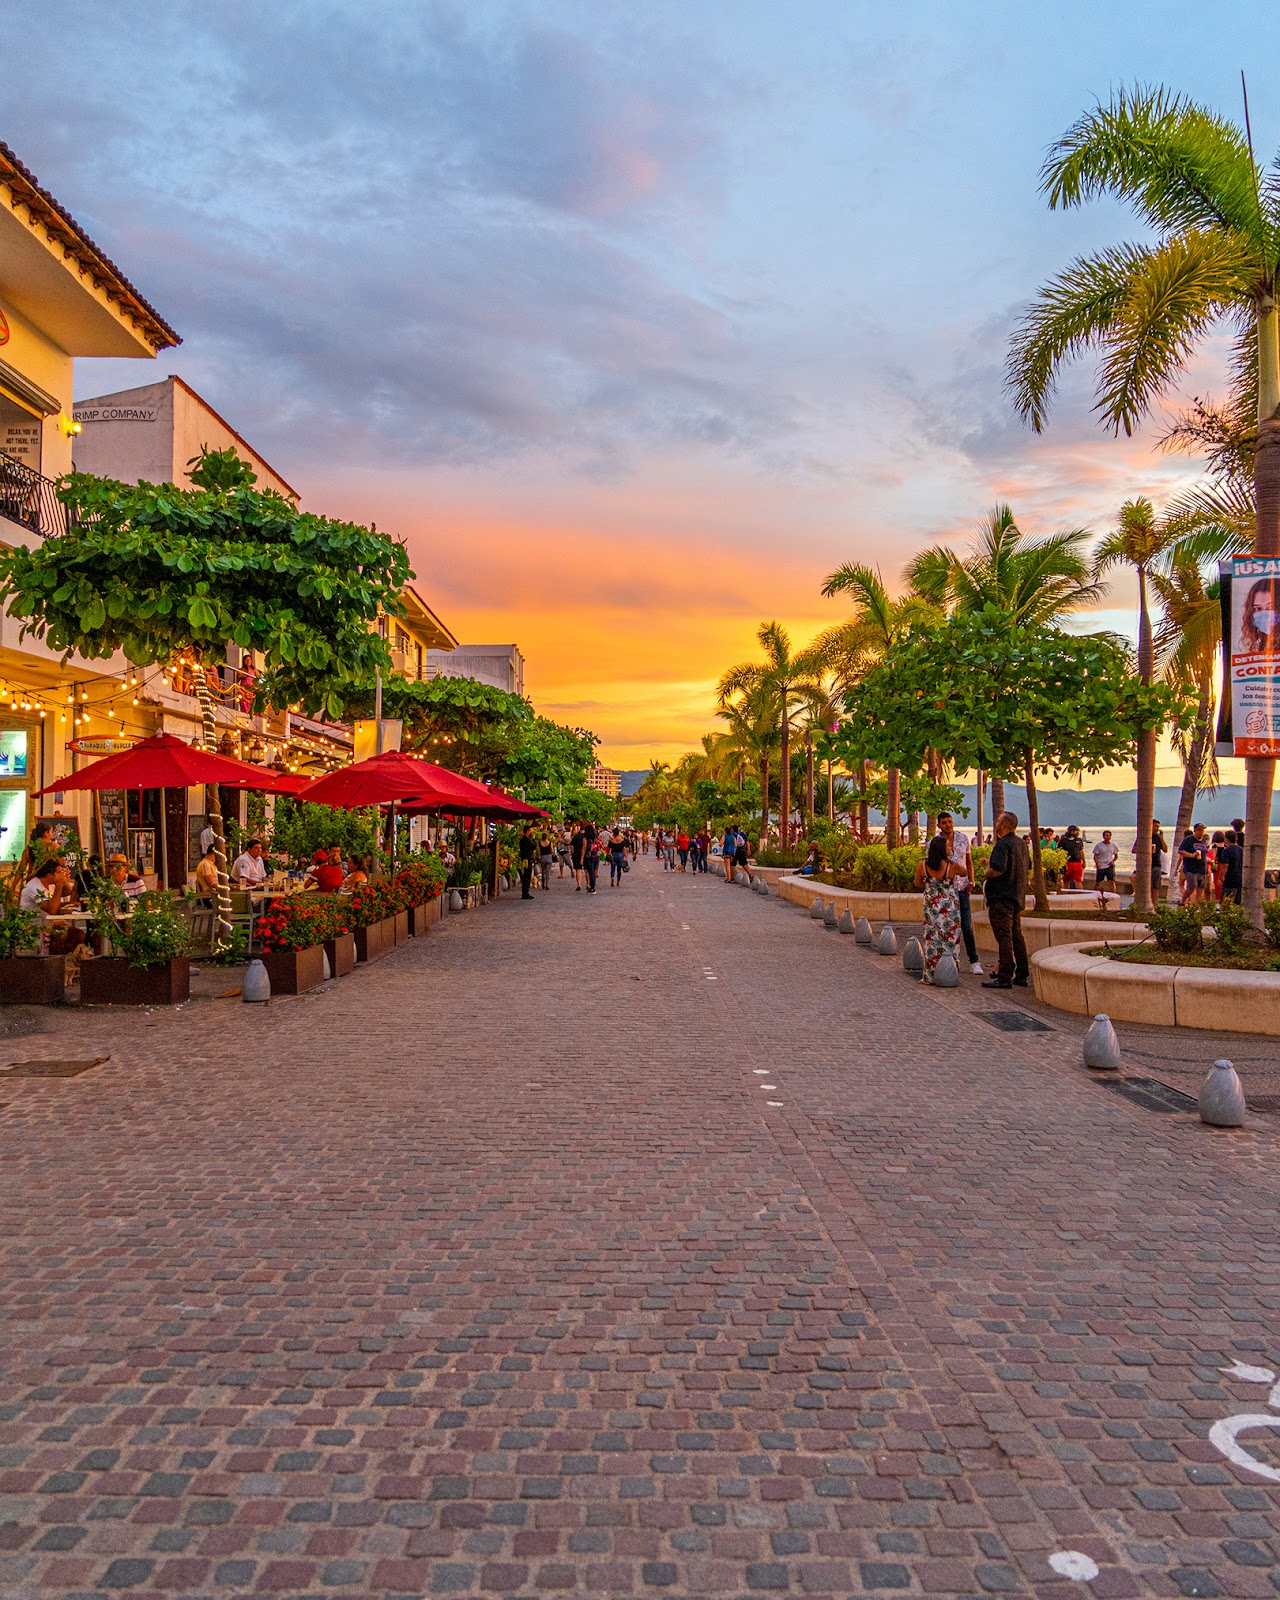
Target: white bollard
pixel 829 915
pixel 1221 1097
pixel 455 900
pixel 1100 1047
pixel 887 943
pixel 817 910
pixel 845 923
pixel 762 886
pixel 255 988
pixel 946 975
pixel 862 931
pixel 913 956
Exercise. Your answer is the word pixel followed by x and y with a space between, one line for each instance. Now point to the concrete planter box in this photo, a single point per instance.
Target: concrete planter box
pixel 1213 998
pixel 33 980
pixel 400 927
pixel 375 940
pixel 295 971
pixel 111 981
pixel 424 917
pixel 341 951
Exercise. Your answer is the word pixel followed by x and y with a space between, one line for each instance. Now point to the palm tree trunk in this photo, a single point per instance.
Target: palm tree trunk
pixel 764 803
pixel 1197 753
pixel 978 803
pixel 1033 822
pixel 808 758
pixel 893 810
pixel 913 827
pixel 784 778
pixel 864 778
pixel 1260 771
pixel 213 805
pixel 831 793
pixel 1146 760
pixel 997 800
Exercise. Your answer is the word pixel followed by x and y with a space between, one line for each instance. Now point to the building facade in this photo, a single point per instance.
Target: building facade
pixel 500 665
pixel 605 779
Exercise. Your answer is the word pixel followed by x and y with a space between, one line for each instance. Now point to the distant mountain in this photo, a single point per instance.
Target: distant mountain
pixel 631 781
pixel 1092 808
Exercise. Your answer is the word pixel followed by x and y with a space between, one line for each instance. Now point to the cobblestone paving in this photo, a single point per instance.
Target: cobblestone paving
pixel 660 1242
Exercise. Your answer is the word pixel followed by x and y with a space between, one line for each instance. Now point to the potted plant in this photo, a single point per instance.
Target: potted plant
pixel 26 977
pixel 372 921
pixel 422 879
pixel 292 932
pixel 152 968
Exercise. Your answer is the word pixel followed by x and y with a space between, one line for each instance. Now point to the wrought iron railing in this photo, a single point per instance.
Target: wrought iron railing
pixel 29 498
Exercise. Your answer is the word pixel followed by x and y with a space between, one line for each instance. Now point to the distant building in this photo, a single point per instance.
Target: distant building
pixel 150 433
pixel 416 637
pixel 605 779
pixel 500 665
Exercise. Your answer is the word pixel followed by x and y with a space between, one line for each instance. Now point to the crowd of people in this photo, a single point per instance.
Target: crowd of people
pixel 580 849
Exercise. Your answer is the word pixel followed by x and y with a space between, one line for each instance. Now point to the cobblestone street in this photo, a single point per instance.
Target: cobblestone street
pixel 656 1242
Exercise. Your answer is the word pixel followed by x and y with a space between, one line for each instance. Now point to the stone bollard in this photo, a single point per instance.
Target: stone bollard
pixel 1100 1046
pixel 862 931
pixel 887 943
pixel 845 923
pixel 741 879
pixel 455 900
pixel 829 918
pixel 817 910
pixel 946 975
pixel 1221 1097
pixel 762 886
pixel 255 987
pixel 912 956
pixel 328 970
pixel 503 884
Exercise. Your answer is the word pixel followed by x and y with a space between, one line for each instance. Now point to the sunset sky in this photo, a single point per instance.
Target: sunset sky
pixel 633 319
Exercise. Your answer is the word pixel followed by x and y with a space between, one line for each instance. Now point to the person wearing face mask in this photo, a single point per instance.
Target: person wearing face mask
pixel 1260 631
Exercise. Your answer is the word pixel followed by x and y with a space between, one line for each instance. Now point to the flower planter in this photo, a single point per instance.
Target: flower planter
pixel 110 980
pixel 424 917
pixel 375 940
pixel 342 954
pixel 400 924
pixel 33 980
pixel 295 971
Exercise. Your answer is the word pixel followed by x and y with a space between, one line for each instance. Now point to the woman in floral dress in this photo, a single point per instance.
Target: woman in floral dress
pixel 941 907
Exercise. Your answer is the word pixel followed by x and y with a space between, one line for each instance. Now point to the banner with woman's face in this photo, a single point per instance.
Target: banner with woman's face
pixel 1254 648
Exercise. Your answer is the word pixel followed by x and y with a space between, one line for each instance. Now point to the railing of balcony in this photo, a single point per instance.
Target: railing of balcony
pixel 29 498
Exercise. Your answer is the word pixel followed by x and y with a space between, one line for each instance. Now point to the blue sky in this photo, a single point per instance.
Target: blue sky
pixel 634 319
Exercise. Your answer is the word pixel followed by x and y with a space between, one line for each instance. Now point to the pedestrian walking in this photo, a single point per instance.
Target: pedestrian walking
pixel 703 842
pixel 1072 844
pixel 1105 856
pixel 577 842
pixel 960 853
pixel 591 859
pixel 528 854
pixel 741 851
pixel 1193 853
pixel 563 853
pixel 617 858
pixel 682 848
pixel 546 856
pixel 1004 887
pixel 938 873
pixel 728 845
pixel 668 852
pixel 1232 854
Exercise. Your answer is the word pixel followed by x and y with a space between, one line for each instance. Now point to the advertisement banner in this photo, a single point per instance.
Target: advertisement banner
pixel 1254 644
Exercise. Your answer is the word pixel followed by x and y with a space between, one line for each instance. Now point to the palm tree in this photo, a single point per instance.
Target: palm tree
pixel 752 738
pixel 1186 647
pixel 784 678
pixel 1032 580
pixel 1191 177
pixel 1137 540
pixel 877 621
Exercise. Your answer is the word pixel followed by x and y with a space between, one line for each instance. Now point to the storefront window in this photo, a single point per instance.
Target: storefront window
pixel 13 793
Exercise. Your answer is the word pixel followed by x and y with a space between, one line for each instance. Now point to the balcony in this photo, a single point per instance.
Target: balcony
pixel 30 499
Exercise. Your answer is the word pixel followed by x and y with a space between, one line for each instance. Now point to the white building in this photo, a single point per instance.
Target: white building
pixel 500 665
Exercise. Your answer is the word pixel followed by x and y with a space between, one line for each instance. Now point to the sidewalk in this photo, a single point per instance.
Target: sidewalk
pixel 652 1242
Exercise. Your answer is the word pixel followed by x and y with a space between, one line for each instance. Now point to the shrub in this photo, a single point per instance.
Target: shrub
pixel 17 927
pixel 299 922
pixel 905 859
pixel 154 934
pixel 421 878
pixel 1178 927
pixel 980 855
pixel 873 867
pixel 1232 928
pixel 776 856
pixel 1271 919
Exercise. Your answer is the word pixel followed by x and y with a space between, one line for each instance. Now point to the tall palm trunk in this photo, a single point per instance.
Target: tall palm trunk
pixel 997 801
pixel 1033 822
pixel 808 777
pixel 764 803
pixel 1260 770
pixel 864 778
pixel 893 809
pixel 784 778
pixel 213 804
pixel 1146 762
pixel 1197 754
pixel 977 798
pixel 831 793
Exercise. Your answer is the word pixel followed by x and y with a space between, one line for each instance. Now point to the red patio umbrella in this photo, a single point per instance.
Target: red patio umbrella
pixel 394 775
pixel 163 762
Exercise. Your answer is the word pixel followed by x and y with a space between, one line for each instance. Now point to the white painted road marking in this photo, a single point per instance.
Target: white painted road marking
pixel 1074 1564
pixel 1224 1435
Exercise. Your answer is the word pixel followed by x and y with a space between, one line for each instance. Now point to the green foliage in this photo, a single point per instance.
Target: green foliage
pixel 918 793
pixel 583 804
pixel 468 871
pixel 1177 927
pixel 1271 920
pixel 234 949
pixel 300 828
pixel 156 932
pixel 1232 928
pixel 155 570
pixel 302 921
pixel 776 856
pixel 17 927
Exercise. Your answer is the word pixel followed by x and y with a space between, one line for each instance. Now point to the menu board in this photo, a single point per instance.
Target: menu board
pixel 112 833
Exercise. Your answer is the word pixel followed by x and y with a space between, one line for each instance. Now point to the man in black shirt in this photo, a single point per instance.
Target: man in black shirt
pixel 1004 887
pixel 1193 852
pixel 528 854
pixel 1232 853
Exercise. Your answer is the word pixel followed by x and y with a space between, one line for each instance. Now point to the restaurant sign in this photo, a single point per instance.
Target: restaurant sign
pixel 100 747
pixel 100 413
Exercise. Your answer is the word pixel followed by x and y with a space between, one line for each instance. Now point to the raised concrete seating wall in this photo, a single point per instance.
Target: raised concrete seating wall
pixel 1184 997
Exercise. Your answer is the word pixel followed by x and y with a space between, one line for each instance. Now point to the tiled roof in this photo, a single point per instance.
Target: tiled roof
pixel 63 226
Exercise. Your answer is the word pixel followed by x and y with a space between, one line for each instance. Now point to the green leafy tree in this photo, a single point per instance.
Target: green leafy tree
pixel 1008 699
pixel 1147 308
pixel 158 572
